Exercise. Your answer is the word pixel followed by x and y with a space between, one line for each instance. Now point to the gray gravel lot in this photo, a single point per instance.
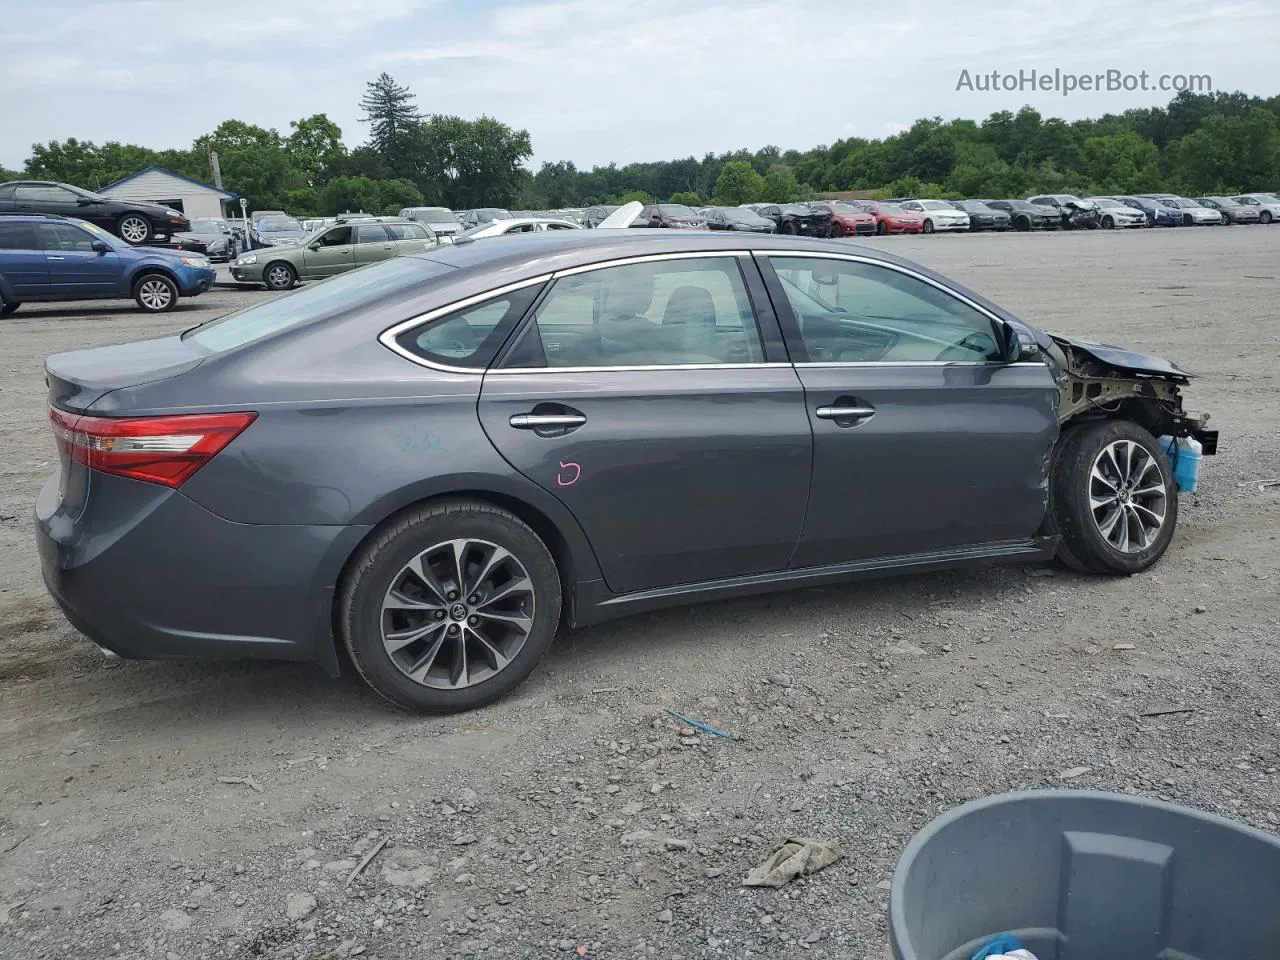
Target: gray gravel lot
pixel 198 810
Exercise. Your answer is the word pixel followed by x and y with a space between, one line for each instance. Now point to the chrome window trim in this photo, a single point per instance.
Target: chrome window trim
pixel 651 258
pixel 515 371
pixel 388 337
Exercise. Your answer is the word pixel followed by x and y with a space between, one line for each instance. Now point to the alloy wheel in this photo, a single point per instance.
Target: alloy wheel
pixel 1127 496
pixel 279 277
pixel 134 229
pixel 457 614
pixel 155 294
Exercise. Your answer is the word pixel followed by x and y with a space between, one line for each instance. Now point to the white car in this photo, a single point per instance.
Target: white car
pixel 1199 213
pixel 938 214
pixel 501 228
pixel 441 220
pixel 1116 214
pixel 1267 205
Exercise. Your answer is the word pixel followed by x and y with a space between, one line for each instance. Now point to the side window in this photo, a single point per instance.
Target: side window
pixel 18 236
pixel 63 236
pixel 521 228
pixel 337 237
pixel 44 194
pixel 371 233
pixel 854 312
pixel 660 313
pixel 471 336
pixel 559 226
pixel 407 231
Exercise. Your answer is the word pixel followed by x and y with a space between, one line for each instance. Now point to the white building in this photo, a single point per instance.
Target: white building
pixel 157 185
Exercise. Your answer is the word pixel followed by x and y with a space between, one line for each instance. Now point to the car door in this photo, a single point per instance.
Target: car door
pixel 76 270
pixel 23 270
pixel 45 198
pixel 372 243
pixel 641 395
pixel 925 439
pixel 329 254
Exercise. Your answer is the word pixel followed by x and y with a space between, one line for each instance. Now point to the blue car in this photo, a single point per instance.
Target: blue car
pixel 1158 215
pixel 52 258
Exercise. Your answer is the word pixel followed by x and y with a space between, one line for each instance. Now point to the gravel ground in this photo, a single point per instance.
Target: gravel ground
pixel 154 810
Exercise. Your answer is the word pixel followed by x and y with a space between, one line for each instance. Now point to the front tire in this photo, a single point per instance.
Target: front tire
pixel 928 225
pixel 1112 498
pixel 134 229
pixel 279 276
pixel 155 293
pixel 450 607
pixel 881 228
pixel 834 232
pixel 1108 223
pixel 1265 216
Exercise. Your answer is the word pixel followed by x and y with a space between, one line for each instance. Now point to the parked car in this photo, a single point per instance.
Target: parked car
pixel 982 216
pixel 938 214
pixel 891 218
pixel 332 251
pixel 517 225
pixel 215 235
pixel 844 219
pixel 482 215
pixel 440 219
pixel 675 216
pixel 47 258
pixel 736 218
pixel 130 220
pixel 1267 204
pixel 1025 215
pixel 798 219
pixel 277 231
pixel 1231 211
pixel 1072 212
pixel 663 429
pixel 1158 214
pixel 1193 214
pixel 1114 213
pixel 593 215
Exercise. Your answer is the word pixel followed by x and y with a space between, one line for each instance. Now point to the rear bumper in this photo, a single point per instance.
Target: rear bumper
pixel 146 573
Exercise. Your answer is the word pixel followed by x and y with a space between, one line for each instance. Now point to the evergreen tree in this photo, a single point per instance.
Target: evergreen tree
pixel 393 120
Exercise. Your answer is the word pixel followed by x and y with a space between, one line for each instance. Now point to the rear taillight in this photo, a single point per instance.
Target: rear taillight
pixel 166 450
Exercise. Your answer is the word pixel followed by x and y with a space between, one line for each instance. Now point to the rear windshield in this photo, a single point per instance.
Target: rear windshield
pixel 314 302
pixel 435 216
pixel 279 223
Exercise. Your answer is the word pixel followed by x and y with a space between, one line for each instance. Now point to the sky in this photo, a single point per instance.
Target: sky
pixel 599 81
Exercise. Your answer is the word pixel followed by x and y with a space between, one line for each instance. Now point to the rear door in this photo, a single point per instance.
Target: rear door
pixel 925 440
pixel 76 270
pixel 372 243
pixel 329 254
pixel 640 393
pixel 22 263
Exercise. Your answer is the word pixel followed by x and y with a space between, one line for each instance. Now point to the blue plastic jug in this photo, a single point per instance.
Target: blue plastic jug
pixel 1184 453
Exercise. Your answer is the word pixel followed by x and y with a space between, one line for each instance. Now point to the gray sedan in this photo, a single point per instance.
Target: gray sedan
pixel 426 466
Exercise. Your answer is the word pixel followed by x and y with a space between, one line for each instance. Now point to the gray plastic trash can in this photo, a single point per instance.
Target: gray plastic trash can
pixel 1083 875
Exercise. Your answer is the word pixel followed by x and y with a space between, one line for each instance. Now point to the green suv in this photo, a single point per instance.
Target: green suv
pixel 333 250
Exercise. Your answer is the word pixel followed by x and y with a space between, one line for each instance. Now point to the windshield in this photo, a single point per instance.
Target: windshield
pixel 314 302
pixel 436 216
pixel 108 238
pixel 1024 205
pixel 278 224
pixel 489 214
pixel 846 208
pixel 974 206
pixel 1107 202
pixel 935 205
pixel 205 225
pixel 676 210
pixel 891 208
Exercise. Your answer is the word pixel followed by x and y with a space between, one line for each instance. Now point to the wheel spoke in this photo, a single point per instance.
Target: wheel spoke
pixel 418 670
pixel 508 588
pixel 514 619
pixel 428 580
pixel 496 658
pixel 1107 526
pixel 458 677
pixel 398 601
pixel 1157 488
pixel 1139 531
pixel 1101 477
pixel 401 639
pixel 495 558
pixel 1097 503
pixel 1156 519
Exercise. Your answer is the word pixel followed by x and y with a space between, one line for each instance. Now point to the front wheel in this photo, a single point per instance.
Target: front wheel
pixel 450 607
pixel 155 293
pixel 1108 223
pixel 881 228
pixel 928 225
pixel 834 231
pixel 1112 498
pixel 7 307
pixel 279 276
pixel 1265 216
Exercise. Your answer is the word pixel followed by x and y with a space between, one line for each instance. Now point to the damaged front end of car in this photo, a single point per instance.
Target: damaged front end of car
pixel 1098 381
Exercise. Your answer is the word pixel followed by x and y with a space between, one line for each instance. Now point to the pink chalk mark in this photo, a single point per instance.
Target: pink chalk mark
pixel 574 468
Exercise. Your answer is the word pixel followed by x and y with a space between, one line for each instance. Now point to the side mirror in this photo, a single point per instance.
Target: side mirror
pixel 84 202
pixel 1019 344
pixel 99 246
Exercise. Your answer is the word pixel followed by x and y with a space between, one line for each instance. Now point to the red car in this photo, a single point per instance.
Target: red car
pixel 891 218
pixel 847 220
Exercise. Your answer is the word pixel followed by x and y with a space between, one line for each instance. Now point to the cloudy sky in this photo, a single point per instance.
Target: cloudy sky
pixel 598 80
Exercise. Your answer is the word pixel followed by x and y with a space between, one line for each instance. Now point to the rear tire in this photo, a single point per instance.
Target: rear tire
pixel 373 618
pixel 1102 533
pixel 134 229
pixel 279 276
pixel 8 306
pixel 155 293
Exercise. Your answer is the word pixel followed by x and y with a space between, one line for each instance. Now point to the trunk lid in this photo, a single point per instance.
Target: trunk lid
pixel 80 378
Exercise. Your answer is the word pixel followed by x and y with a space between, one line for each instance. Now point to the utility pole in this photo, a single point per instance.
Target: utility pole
pixel 217 170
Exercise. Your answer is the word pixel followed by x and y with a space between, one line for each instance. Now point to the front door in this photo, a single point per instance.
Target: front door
pixel 372 243
pixel 329 254
pixel 639 395
pixel 925 440
pixel 76 270
pixel 22 261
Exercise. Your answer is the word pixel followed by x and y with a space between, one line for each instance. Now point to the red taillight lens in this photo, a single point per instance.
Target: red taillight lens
pixel 166 450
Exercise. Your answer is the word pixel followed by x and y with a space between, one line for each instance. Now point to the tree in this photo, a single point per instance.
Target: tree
pixel 350 195
pixel 253 160
pixel 739 183
pixel 313 146
pixel 395 195
pixel 393 120
pixel 631 195
pixel 470 163
pixel 688 198
pixel 780 185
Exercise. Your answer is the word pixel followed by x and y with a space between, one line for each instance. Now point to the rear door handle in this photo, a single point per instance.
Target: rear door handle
pixel 56 258
pixel 544 421
pixel 844 413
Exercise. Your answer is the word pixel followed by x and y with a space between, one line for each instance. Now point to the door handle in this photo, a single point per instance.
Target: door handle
pixel 55 258
pixel 543 421
pixel 844 413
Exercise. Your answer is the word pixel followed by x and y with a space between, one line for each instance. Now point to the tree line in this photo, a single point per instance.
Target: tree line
pixel 1217 143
